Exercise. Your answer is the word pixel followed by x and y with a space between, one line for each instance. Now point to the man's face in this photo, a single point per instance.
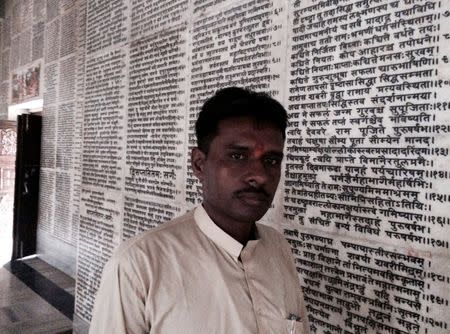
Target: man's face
pixel 241 171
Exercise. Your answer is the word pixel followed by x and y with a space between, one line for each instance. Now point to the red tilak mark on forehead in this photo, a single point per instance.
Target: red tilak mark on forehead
pixel 259 149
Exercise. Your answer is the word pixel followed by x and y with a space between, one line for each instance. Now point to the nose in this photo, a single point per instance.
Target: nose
pixel 257 174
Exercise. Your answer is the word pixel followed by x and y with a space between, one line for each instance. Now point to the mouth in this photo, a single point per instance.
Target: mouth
pixel 253 197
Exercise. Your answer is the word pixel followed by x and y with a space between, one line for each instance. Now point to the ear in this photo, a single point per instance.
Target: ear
pixel 198 159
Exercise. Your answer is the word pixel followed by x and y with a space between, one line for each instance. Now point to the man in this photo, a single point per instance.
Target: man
pixel 213 270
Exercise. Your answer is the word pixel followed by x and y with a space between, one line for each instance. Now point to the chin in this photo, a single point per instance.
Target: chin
pixel 252 216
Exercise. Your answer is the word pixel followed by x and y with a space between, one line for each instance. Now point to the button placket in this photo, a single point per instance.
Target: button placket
pixel 248 267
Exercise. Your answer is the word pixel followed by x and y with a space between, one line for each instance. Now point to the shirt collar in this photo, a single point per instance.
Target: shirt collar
pixel 216 234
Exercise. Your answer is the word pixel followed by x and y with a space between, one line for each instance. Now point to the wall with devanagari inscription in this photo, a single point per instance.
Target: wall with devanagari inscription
pixel 365 196
pixel 42 57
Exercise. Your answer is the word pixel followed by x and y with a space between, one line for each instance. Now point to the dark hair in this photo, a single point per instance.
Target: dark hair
pixel 237 102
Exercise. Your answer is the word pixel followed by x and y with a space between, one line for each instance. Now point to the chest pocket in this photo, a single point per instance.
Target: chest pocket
pixel 280 326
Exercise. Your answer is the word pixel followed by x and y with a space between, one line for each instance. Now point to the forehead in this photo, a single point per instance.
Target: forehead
pixel 247 129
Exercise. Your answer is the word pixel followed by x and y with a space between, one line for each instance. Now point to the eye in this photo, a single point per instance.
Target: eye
pixel 237 156
pixel 272 161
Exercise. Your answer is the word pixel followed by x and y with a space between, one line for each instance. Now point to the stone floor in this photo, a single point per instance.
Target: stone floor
pixel 35 298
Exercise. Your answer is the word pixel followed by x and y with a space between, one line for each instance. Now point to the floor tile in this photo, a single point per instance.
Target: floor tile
pixel 46 310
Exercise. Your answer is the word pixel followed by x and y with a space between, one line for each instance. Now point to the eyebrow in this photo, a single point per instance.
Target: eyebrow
pixel 237 147
pixel 243 148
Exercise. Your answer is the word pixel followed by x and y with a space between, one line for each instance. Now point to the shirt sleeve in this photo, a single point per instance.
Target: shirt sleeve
pixel 120 302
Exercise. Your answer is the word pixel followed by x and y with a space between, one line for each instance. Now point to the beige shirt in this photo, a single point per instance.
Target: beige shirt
pixel 188 276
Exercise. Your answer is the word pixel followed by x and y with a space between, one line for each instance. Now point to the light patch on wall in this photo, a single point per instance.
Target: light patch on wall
pixel 23 108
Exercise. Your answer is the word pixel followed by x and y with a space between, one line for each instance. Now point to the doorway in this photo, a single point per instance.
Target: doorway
pixel 8 147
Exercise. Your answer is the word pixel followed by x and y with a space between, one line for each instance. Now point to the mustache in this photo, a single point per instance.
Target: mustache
pixel 253 190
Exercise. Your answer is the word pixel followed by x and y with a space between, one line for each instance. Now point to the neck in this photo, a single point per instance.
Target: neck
pixel 242 233
pixel 239 231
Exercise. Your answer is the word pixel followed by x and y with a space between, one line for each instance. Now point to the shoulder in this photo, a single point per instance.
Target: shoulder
pixel 273 238
pixel 139 261
pixel 141 246
pixel 268 232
